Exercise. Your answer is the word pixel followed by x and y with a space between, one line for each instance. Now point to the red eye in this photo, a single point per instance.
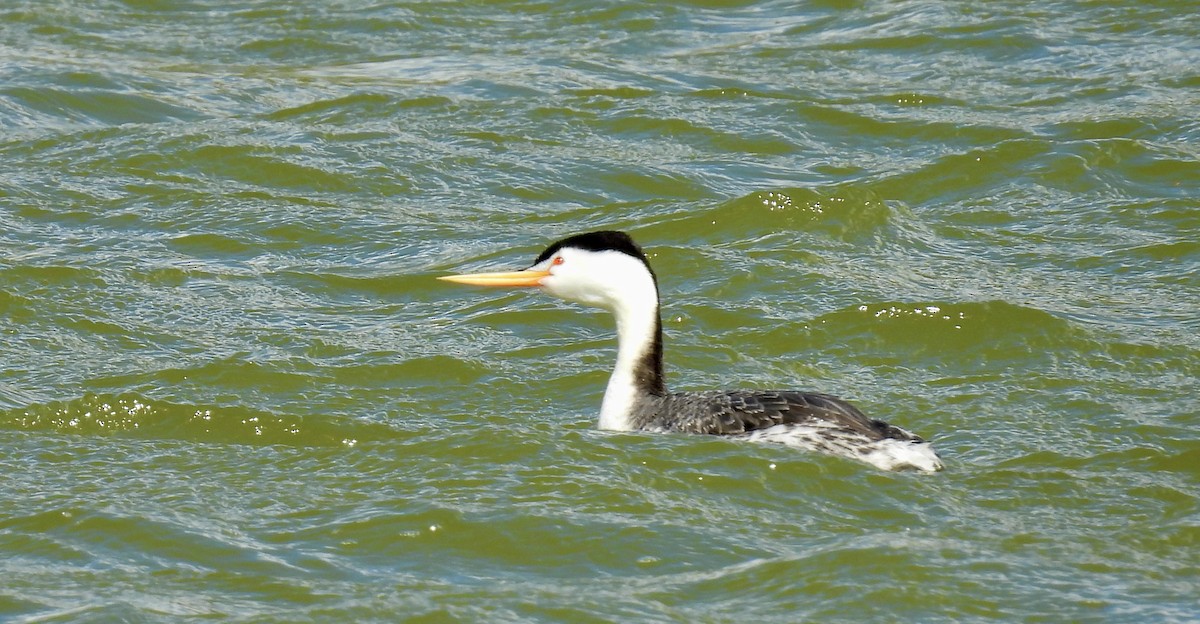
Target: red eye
pixel 558 260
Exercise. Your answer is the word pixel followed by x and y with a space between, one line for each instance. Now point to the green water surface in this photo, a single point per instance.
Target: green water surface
pixel 231 388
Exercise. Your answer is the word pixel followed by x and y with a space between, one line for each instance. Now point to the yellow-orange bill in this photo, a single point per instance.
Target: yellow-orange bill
pixel 513 278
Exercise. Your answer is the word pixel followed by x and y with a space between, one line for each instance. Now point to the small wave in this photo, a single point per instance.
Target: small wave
pixel 844 213
pixel 46 105
pixel 132 415
pixel 927 331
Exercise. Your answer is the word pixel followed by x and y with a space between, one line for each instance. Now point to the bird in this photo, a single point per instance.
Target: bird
pixel 608 270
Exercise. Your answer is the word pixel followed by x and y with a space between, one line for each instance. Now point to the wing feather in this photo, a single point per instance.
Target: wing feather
pixel 743 411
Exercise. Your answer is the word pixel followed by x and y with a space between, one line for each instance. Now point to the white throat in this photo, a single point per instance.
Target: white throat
pixel 635 337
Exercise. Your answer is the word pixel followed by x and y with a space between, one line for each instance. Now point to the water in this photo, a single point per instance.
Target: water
pixel 231 388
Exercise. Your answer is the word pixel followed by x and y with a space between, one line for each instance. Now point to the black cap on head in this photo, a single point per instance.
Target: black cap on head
pixel 606 240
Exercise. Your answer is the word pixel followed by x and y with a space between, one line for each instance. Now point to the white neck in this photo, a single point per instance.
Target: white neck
pixel 623 285
pixel 637 323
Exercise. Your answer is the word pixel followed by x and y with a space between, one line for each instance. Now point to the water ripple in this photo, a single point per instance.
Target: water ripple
pixel 231 387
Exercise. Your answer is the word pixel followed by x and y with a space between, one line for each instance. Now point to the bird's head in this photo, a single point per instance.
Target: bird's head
pixel 604 269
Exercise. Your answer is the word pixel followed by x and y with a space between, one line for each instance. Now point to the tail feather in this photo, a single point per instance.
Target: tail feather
pixel 898 451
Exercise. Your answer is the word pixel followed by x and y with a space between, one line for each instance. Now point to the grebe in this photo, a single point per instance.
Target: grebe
pixel 607 269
